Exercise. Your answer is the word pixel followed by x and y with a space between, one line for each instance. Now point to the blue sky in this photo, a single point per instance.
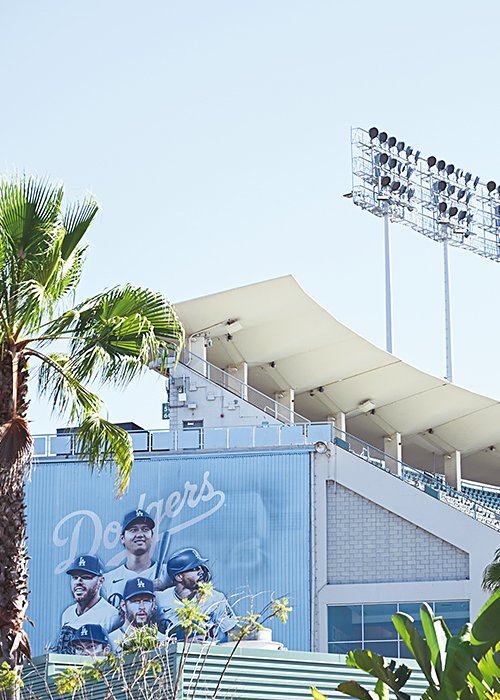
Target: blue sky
pixel 215 136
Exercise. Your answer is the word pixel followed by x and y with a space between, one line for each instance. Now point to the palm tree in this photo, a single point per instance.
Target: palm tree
pixel 491 574
pixel 110 337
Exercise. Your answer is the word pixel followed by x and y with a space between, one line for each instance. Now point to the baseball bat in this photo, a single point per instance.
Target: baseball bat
pixel 162 552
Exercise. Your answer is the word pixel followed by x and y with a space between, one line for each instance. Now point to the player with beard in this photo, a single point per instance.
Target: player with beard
pixel 138 609
pixel 187 569
pixel 137 539
pixel 89 607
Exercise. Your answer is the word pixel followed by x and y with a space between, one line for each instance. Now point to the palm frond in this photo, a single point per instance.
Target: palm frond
pixel 117 334
pixel 65 392
pixel 77 219
pixel 103 443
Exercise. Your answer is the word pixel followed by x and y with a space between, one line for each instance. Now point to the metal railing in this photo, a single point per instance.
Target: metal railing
pixel 283 435
pixel 244 391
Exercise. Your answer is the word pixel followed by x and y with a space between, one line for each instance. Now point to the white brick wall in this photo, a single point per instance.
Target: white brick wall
pixel 369 544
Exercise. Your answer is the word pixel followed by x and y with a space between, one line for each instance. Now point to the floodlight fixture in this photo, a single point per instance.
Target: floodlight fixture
pixel 435 198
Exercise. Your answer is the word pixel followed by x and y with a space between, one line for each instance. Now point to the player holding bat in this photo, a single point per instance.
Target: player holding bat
pixel 137 539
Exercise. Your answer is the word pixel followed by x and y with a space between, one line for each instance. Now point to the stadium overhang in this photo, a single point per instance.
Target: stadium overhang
pixel 289 341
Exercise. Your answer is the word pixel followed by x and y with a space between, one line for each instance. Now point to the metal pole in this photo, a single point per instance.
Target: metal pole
pixel 388 292
pixel 447 313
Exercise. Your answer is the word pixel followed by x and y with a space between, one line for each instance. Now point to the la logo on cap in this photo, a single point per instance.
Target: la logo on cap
pixel 82 562
pixel 140 584
pixel 139 513
pixel 84 632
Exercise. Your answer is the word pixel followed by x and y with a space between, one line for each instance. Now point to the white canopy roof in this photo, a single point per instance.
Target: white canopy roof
pixel 290 341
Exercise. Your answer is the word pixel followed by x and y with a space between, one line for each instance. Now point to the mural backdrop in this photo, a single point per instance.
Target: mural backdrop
pixel 246 515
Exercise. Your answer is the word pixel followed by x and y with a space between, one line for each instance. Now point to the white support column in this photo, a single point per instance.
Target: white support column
pixel 286 409
pixel 239 373
pixel 453 470
pixel 197 346
pixel 339 421
pixel 393 448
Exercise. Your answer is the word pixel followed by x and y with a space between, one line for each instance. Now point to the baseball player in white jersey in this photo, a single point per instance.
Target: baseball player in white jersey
pixel 137 538
pixel 187 568
pixel 89 607
pixel 138 609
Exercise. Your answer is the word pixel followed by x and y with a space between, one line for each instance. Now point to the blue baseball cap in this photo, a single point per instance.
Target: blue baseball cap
pixel 90 633
pixel 137 516
pixel 138 586
pixel 86 563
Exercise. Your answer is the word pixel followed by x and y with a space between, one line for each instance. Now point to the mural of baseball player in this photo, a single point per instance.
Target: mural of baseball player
pixel 137 538
pixel 187 569
pixel 91 640
pixel 90 607
pixel 138 609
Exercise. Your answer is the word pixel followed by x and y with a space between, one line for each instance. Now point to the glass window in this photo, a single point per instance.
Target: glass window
pixel 413 609
pixel 370 626
pixel 389 649
pixel 344 623
pixel 454 612
pixel 378 622
pixel 343 647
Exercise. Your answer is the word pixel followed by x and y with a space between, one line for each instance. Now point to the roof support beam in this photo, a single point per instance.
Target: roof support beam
pixel 453 470
pixel 393 449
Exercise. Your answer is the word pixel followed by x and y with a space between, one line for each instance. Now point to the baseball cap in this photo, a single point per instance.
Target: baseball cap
pixel 90 633
pixel 138 586
pixel 87 563
pixel 136 516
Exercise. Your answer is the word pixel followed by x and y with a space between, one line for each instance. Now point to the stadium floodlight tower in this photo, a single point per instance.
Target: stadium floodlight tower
pixel 439 200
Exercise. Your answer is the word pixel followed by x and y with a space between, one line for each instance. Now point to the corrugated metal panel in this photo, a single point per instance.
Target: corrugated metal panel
pixel 256 538
pixel 255 675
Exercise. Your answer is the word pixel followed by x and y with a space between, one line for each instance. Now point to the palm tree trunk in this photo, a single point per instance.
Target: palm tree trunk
pixel 13 554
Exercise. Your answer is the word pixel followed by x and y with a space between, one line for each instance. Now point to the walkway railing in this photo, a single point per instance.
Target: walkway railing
pixel 283 435
pixel 245 391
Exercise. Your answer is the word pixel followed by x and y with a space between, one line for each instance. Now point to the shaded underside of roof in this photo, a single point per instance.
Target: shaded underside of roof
pixel 290 341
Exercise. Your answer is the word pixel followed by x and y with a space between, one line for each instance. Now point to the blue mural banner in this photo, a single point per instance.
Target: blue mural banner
pixel 240 521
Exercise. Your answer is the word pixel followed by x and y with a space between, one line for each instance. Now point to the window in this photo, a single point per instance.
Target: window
pixel 369 626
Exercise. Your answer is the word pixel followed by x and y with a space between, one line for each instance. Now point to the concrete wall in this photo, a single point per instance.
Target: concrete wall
pixel 194 397
pixel 378 539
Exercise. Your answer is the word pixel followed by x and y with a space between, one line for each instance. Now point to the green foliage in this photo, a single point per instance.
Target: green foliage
pixel 9 678
pixel 465 666
pixel 144 669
